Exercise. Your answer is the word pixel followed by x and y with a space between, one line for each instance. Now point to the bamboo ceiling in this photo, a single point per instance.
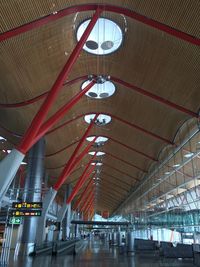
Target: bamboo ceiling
pixel 148 58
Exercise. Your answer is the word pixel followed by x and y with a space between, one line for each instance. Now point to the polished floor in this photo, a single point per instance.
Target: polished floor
pixel 97 253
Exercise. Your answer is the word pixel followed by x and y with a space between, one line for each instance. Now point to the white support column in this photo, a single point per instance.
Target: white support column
pixel 47 201
pixel 64 214
pixel 69 218
pixel 8 169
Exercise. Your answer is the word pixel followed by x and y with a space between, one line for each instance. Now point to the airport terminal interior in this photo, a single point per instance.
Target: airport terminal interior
pixel 99 133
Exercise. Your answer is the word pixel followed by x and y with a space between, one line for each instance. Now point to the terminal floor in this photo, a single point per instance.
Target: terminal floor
pixel 97 253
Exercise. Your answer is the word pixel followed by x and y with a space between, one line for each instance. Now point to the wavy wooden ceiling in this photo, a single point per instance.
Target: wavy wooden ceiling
pixel 148 58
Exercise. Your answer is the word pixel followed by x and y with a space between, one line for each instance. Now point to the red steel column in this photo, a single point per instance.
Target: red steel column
pixel 82 196
pixel 60 113
pixel 83 153
pixel 88 206
pixel 87 200
pixel 67 168
pixel 80 182
pixel 110 8
pixel 40 116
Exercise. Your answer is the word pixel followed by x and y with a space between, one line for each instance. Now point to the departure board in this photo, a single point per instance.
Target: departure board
pixel 25 213
pixel 27 205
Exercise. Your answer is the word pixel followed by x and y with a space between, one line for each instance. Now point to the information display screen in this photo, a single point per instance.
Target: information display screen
pixel 25 213
pixel 27 205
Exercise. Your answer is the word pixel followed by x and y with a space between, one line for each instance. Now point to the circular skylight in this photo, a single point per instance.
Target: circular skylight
pixel 2 139
pixel 102 119
pixel 100 139
pixel 96 178
pixel 99 153
pixel 97 163
pixel 99 90
pixel 105 38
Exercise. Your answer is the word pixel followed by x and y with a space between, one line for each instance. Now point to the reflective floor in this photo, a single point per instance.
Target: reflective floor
pixel 97 253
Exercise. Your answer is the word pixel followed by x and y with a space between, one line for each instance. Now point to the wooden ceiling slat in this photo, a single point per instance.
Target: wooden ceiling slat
pixel 149 59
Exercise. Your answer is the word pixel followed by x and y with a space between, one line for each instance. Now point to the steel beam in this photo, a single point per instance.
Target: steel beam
pixel 87 200
pixel 115 79
pixel 131 148
pixel 40 97
pixel 110 138
pixel 68 166
pixel 89 204
pixel 60 113
pixel 78 202
pixel 137 127
pixel 62 149
pixel 50 99
pixel 80 157
pixel 105 7
pixel 86 174
pixel 155 97
pixel 86 197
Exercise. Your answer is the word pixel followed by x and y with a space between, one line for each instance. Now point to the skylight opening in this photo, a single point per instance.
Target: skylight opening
pixel 102 119
pixel 97 163
pixel 99 153
pixel 2 139
pixel 100 139
pixel 105 38
pixel 100 90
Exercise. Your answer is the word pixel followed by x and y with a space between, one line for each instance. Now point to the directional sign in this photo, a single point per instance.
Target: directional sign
pixel 27 205
pixel 15 221
pixel 25 213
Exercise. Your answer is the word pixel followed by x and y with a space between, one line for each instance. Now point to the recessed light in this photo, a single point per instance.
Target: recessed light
pixel 176 165
pixel 189 155
pixel 167 173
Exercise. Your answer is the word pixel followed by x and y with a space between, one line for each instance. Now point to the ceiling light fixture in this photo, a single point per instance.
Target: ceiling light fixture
pixel 105 38
pixel 176 165
pixel 189 155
